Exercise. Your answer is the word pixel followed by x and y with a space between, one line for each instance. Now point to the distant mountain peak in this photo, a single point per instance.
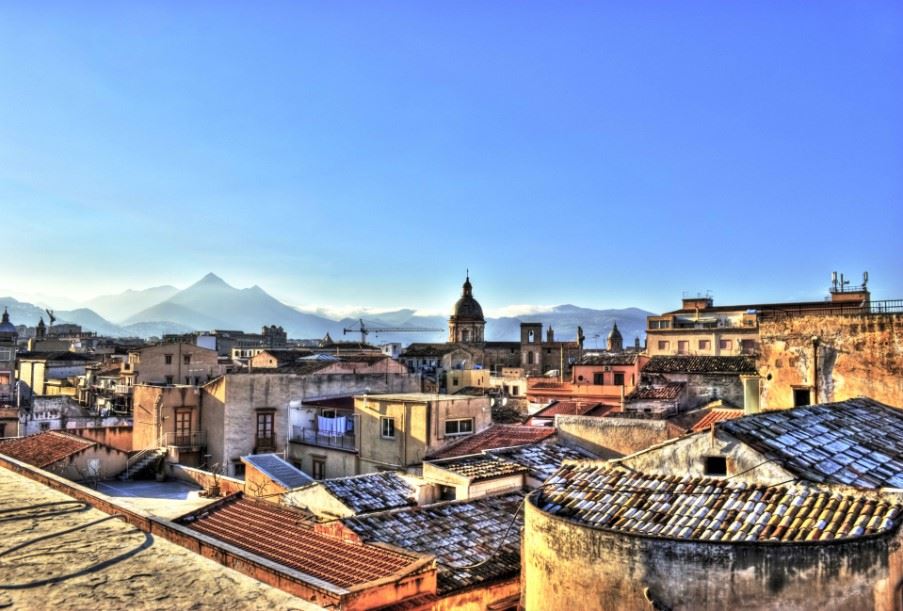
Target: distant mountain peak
pixel 210 280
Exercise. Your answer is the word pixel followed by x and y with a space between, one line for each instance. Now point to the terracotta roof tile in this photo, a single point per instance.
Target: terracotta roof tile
pixel 700 364
pixel 857 442
pixel 460 534
pixel 496 436
pixel 715 416
pixel 712 509
pixel 573 408
pixel 279 534
pixel 44 449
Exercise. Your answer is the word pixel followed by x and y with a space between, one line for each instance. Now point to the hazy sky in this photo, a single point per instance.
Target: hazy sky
pixel 604 154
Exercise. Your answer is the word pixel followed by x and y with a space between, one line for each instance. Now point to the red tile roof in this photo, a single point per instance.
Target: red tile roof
pixel 496 436
pixel 282 535
pixel 716 415
pixel 44 449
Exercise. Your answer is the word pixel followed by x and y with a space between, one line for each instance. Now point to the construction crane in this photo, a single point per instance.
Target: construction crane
pixel 364 330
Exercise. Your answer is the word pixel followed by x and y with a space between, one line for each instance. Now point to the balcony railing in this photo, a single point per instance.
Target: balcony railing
pixel 194 439
pixel 314 437
pixel 264 443
pixel 122 389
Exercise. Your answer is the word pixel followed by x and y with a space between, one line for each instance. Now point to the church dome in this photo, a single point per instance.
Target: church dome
pixel 467 308
pixel 6 327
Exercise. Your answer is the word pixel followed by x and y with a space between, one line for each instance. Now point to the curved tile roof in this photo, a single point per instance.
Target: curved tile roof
pixel 712 509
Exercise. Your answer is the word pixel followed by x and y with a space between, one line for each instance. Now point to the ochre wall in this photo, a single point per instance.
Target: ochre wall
pixel 565 564
pixel 857 355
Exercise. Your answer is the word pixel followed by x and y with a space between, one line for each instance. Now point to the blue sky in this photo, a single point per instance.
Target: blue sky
pixel 602 154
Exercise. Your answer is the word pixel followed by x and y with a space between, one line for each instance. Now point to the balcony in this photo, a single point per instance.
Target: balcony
pixel 193 440
pixel 122 389
pixel 264 444
pixel 313 437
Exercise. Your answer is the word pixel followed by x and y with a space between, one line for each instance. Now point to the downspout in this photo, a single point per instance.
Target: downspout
pixel 815 343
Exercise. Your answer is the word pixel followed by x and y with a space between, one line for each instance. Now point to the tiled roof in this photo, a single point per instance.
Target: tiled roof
pixel 857 442
pixel 276 533
pixel 542 459
pixel 666 392
pixel 371 492
pixel 609 358
pixel 496 436
pixel 700 364
pixel 278 470
pixel 711 509
pixel 44 449
pixel 460 534
pixel 477 468
pixel 572 408
pixel 419 350
pixel 714 416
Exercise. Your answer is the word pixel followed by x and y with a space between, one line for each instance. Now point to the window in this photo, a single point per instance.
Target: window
pixel 463 426
pixel 387 428
pixel 515 390
pixel 598 379
pixel 6 354
pixel 664 345
pixel 715 465
pixel 238 469
pixel 748 346
pixel 169 380
pixel 530 358
pixel 801 396
pixel 619 379
pixel 319 468
pixel 167 358
pixel 725 344
pixel 454 381
pixel 2 429
pixel 548 351
pixel 187 359
pixel 705 344
pixel 265 426
pixel 45 426
pixel 683 346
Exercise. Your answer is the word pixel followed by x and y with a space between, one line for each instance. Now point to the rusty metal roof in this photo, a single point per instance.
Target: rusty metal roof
pixel 713 509
pixel 496 436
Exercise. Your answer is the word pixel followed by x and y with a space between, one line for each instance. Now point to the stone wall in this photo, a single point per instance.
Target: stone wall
pixel 857 356
pixel 564 562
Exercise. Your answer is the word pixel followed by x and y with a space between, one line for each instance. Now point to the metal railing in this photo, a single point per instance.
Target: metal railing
pixel 193 439
pixel 314 437
pixel 865 308
pixel 267 442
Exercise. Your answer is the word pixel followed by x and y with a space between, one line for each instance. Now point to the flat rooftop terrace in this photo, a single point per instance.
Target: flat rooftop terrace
pixel 59 553
pixel 168 500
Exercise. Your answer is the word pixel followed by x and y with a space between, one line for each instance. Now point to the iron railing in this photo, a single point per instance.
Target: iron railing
pixel 193 439
pixel 314 437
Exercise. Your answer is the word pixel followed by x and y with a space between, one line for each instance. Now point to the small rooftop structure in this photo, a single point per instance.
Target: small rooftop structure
pixel 657 392
pixel 714 416
pixel 371 492
pixel 279 470
pixel 480 467
pixel 568 408
pixel 45 449
pixel 542 460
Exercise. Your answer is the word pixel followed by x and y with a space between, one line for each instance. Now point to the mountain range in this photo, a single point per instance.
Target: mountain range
pixel 211 303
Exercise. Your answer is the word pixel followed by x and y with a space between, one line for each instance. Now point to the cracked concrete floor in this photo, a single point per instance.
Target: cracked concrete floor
pixel 107 564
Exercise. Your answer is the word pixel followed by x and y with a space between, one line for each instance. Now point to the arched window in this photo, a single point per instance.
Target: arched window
pixel 530 338
pixel 465 335
pixel 530 358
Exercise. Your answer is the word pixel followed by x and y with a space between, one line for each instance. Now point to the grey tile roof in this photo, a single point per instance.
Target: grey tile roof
pixel 857 442
pixel 478 468
pixel 371 492
pixel 280 471
pixel 542 460
pixel 460 534
pixel 712 509
pixel 664 392
pixel 700 364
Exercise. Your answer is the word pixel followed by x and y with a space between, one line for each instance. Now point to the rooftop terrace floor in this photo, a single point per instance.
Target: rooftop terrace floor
pixel 55 554
pixel 164 499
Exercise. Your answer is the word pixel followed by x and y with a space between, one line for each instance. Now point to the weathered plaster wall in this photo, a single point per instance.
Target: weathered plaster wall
pixel 619 435
pixel 686 456
pixel 564 563
pixel 338 463
pixel 857 355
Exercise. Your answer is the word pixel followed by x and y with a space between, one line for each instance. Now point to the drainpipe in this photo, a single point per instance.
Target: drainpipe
pixel 815 342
